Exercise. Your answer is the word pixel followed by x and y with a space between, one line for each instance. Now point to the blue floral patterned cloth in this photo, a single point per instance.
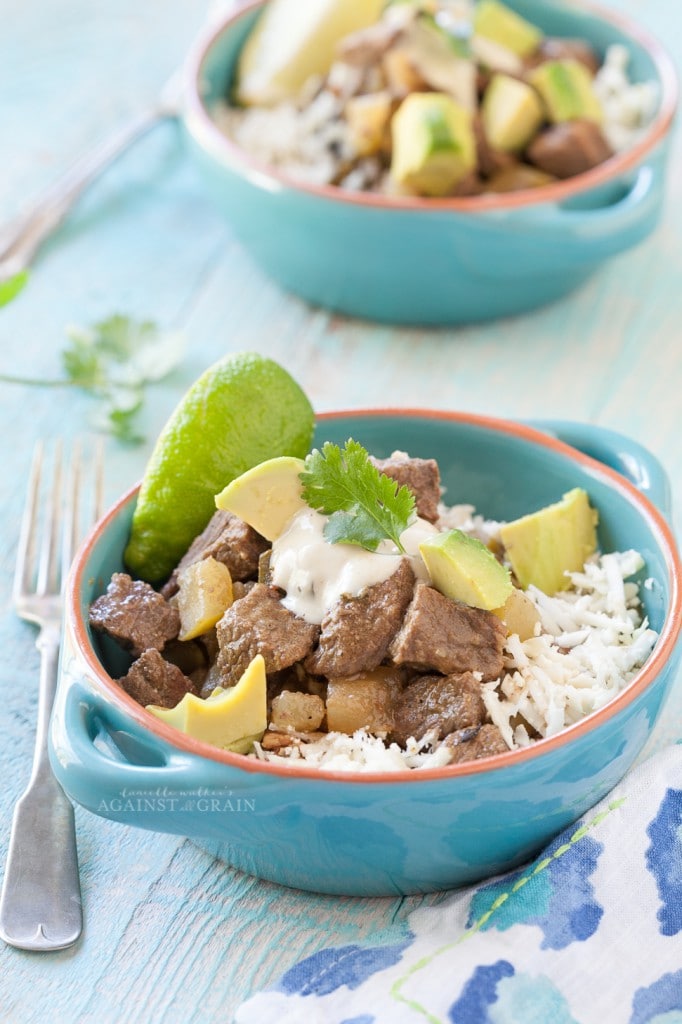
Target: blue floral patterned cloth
pixel 589 933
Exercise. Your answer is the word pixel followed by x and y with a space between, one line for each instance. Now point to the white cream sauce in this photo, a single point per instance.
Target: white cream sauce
pixel 315 573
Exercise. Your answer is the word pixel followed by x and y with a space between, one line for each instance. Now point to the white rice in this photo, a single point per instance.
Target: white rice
pixel 360 753
pixel 591 641
pixel 628 106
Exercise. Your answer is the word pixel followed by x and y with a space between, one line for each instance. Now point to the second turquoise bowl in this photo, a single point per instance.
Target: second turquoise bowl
pixel 409 831
pixel 429 261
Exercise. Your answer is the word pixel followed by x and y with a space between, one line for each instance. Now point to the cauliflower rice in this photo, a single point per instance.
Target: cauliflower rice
pixel 591 642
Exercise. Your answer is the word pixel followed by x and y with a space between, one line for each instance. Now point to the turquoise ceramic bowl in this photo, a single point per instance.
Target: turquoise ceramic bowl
pixel 433 261
pixel 412 831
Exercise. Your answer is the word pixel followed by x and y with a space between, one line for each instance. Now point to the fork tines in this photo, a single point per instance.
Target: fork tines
pixel 64 498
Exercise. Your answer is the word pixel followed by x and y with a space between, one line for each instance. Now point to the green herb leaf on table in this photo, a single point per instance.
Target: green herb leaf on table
pixel 10 288
pixel 114 361
pixel 364 506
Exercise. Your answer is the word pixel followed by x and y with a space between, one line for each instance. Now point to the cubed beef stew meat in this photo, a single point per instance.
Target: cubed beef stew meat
pixel 421 476
pixel 260 624
pixel 133 614
pixel 569 148
pixel 399 660
pixel 153 680
pixel 227 539
pixel 445 636
pixel 474 742
pixel 439 705
pixel 356 633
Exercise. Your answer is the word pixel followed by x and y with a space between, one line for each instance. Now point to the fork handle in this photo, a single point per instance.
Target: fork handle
pixel 40 906
pixel 21 241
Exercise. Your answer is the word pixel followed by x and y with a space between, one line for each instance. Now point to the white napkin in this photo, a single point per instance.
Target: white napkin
pixel 588 933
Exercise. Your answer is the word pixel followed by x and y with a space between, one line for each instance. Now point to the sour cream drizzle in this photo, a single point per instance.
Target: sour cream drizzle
pixel 315 573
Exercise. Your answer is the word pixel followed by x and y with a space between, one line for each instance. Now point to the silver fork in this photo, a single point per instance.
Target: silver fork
pixel 40 905
pixel 20 240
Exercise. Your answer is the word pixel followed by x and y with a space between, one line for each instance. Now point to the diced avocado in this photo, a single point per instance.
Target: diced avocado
pixel 512 113
pixel 498 22
pixel 464 569
pixel 545 545
pixel 266 497
pixel 231 719
pixel 566 90
pixel 433 144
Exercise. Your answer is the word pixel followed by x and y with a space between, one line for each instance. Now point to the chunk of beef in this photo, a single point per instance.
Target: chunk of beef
pixel 356 632
pixel 134 615
pixel 445 636
pixel 260 624
pixel 569 148
pixel 153 680
pixel 227 539
pixel 420 475
pixel 553 48
pixel 472 743
pixel 440 704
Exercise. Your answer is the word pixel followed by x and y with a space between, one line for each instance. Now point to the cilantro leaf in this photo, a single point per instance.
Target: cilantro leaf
pixel 10 288
pixel 81 362
pixel 364 505
pixel 114 361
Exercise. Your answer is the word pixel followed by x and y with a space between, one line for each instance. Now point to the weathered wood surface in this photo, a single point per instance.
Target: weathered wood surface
pixel 170 935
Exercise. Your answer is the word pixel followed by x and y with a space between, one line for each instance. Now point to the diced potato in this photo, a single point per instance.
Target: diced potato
pixel 205 591
pixel 302 712
pixel 363 702
pixel 368 117
pixel 519 614
pixel 400 73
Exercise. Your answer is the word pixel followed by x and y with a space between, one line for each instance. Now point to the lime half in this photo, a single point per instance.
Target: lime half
pixel 243 410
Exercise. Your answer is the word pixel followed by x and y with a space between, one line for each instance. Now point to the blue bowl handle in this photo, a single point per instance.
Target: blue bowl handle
pixel 106 762
pixel 607 230
pixel 629 458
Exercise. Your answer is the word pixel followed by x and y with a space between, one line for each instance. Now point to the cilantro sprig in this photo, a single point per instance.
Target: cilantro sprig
pixel 114 361
pixel 364 506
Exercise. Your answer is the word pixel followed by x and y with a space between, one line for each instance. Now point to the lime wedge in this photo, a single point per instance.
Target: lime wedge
pixel 243 410
pixel 293 40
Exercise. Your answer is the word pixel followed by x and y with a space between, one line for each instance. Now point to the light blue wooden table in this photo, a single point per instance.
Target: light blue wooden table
pixel 171 935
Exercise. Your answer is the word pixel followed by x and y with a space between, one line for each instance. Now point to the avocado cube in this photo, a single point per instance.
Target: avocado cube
pixel 464 569
pixel 498 22
pixel 512 113
pixel 231 719
pixel 566 90
pixel 433 144
pixel 545 545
